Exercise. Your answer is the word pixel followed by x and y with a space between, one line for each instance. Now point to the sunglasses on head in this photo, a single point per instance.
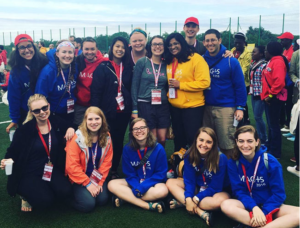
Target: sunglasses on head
pixel 37 111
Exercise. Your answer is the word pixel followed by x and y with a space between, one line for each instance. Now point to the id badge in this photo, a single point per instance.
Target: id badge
pixel 172 93
pixel 251 88
pixel 70 105
pixel 155 96
pixel 120 101
pixel 95 177
pixel 203 188
pixel 47 172
pixel 141 180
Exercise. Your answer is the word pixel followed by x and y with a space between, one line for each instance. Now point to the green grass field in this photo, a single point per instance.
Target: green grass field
pixel 126 216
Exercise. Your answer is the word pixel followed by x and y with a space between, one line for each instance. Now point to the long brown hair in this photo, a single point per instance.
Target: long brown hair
pixel 102 133
pixel 151 139
pixel 247 128
pixel 213 157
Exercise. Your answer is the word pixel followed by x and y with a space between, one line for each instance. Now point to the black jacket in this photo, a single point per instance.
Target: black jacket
pixel 23 141
pixel 104 89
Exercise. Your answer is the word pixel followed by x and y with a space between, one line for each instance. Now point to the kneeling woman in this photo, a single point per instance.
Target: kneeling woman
pixel 38 145
pixel 145 178
pixel 260 201
pixel 204 177
pixel 89 156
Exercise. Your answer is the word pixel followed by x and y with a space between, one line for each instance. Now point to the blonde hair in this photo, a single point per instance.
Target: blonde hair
pixel 35 97
pixel 102 133
pixel 138 30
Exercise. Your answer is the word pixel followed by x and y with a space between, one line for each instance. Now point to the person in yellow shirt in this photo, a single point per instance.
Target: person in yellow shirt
pixel 188 75
pixel 42 48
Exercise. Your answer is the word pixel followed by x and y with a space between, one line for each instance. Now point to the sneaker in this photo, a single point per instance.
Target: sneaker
pixel 293 170
pixel 291 139
pixel 293 159
pixel 285 129
pixel 288 135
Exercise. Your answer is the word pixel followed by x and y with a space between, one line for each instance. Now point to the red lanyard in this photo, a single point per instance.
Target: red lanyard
pixel 156 76
pixel 174 67
pixel 204 179
pixel 254 176
pixel 94 155
pixel 43 141
pixel 63 77
pixel 144 166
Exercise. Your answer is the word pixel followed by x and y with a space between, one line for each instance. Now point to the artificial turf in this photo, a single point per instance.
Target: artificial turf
pixel 126 216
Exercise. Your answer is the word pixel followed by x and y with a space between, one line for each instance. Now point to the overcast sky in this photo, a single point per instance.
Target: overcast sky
pixel 37 15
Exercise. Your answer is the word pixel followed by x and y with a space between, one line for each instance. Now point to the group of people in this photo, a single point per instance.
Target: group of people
pixel 77 109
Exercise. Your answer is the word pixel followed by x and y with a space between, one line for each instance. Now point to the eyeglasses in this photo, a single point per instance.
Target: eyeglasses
pixel 38 110
pixel 159 45
pixel 211 40
pixel 173 44
pixel 22 48
pixel 136 129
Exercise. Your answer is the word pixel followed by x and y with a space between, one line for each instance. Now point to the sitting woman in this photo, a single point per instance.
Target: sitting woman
pixel 257 204
pixel 204 178
pixel 145 165
pixel 38 146
pixel 89 158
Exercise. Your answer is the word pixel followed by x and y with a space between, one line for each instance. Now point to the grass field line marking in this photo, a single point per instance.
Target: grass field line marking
pixel 5 122
pixel 1 102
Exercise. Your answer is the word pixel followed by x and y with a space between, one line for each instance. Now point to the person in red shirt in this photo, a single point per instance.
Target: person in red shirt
pixel 3 54
pixel 5 84
pixel 286 42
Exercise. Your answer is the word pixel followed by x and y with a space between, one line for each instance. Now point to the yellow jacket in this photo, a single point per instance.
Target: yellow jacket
pixel 43 50
pixel 245 60
pixel 194 78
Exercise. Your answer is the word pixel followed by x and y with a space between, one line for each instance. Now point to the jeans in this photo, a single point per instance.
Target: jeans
pixel 258 107
pixel 273 119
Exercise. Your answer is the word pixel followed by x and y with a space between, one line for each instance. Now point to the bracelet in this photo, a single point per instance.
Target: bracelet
pixel 240 108
pixel 135 112
pixel 88 184
pixel 270 95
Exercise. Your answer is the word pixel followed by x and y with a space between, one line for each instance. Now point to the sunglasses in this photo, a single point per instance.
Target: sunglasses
pixel 38 110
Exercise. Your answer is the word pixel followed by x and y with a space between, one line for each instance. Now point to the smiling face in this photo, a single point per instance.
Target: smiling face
pixel 118 50
pixel 212 44
pixel 174 47
pixel 26 50
pixel 89 51
pixel 256 56
pixel 247 144
pixel 239 44
pixel 191 30
pixel 93 122
pixel 157 46
pixel 65 56
pixel 138 42
pixel 40 105
pixel 140 131
pixel 204 144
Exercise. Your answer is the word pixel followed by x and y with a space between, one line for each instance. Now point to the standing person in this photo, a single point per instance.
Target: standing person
pixel 37 146
pixel 286 40
pixel 4 85
pixel 144 183
pixel 26 62
pixel 191 28
pixel 72 40
pixel 51 46
pixel 89 156
pixel 42 47
pixel 204 173
pixel 114 96
pixel 255 74
pixel 3 56
pixel 138 41
pixel 188 76
pixel 257 183
pixel 149 90
pixel 78 44
pixel 226 98
pixel 244 57
pixel 57 81
pixel 88 64
pixel 272 85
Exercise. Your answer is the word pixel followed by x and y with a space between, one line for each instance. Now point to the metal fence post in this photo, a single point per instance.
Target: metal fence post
pixel 259 29
pixel 95 32
pixel 73 31
pixel 84 32
pixel 160 28
pixel 238 24
pixel 229 33
pixel 42 35
pixel 131 27
pixel 145 26
pixel 106 37
pixel 10 37
pixel 69 31
pixel 3 39
pixel 119 28
pixel 210 24
pixel 175 26
pixel 33 35
pixel 51 34
pixel 283 23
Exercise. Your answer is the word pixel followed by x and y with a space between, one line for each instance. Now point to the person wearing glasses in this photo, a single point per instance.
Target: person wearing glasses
pixel 26 62
pixel 149 90
pixel 188 77
pixel 37 151
pixel 145 165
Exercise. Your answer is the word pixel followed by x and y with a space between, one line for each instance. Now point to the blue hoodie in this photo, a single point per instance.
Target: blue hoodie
pixel 268 189
pixel 53 87
pixel 18 92
pixel 156 168
pixel 193 178
pixel 227 88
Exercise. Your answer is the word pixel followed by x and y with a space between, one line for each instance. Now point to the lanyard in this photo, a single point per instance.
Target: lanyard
pixel 195 43
pixel 156 76
pixel 144 166
pixel 132 58
pixel 204 179
pixel 63 77
pixel 27 67
pixel 43 141
pixel 120 80
pixel 174 67
pixel 94 155
pixel 254 176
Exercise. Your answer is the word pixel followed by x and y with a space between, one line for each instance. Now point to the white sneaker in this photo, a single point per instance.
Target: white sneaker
pixel 284 129
pixel 292 169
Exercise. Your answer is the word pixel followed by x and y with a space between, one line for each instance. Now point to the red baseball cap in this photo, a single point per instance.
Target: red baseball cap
pixel 22 38
pixel 191 20
pixel 286 35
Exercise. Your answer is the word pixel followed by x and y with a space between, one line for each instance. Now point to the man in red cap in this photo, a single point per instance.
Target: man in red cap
pixel 286 42
pixel 191 28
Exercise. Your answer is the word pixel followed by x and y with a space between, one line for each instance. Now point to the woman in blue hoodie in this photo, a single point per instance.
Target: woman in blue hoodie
pixel 57 80
pixel 200 191
pixel 260 201
pixel 145 178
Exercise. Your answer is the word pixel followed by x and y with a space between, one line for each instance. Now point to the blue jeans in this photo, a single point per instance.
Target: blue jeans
pixel 258 107
pixel 273 120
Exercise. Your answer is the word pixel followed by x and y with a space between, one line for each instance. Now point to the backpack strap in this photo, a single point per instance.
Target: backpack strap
pixel 145 158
